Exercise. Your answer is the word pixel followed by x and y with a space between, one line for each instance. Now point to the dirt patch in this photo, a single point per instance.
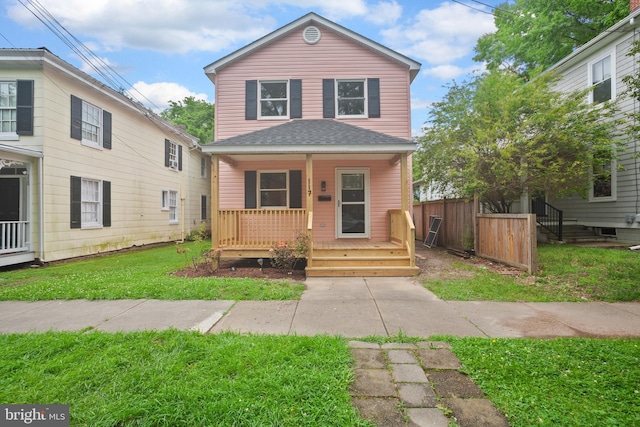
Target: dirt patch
pixel 245 268
pixel 434 263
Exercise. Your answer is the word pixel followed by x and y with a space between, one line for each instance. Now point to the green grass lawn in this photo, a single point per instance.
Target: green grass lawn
pixel 176 378
pixel 559 382
pixel 144 273
pixel 566 273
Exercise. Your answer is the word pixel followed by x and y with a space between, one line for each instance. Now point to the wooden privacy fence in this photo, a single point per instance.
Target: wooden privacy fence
pixel 457 229
pixel 508 238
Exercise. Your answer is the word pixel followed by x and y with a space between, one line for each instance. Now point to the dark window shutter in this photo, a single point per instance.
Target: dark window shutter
pixel 328 99
pixel 76 118
pixel 106 129
pixel 106 203
pixel 203 207
pixel 76 202
pixel 295 89
pixel 373 92
pixel 250 196
pixel 179 157
pixel 167 144
pixel 251 100
pixel 295 189
pixel 24 107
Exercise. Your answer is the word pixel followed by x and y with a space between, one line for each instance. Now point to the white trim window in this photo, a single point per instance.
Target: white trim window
pixel 603 187
pixel 8 109
pixel 273 189
pixel 602 81
pixel 91 203
pixel 203 167
pixel 91 125
pixel 170 204
pixel 173 155
pixel 351 98
pixel 273 102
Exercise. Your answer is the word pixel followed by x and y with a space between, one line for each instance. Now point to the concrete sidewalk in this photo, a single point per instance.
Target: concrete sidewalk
pixel 351 307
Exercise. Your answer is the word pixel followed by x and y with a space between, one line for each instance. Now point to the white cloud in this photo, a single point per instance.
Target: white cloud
pixel 442 35
pixel 384 13
pixel 450 72
pixel 157 95
pixel 420 104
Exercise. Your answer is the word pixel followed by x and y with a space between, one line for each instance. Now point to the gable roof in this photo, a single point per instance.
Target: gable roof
pixel 311 136
pixel 313 19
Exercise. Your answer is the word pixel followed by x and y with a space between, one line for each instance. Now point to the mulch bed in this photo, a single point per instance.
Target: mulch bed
pixel 245 267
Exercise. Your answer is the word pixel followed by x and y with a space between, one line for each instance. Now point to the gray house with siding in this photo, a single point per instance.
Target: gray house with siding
pixel 612 207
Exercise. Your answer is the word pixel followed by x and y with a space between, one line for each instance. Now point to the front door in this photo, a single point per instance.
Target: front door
pixel 352 203
pixel 10 197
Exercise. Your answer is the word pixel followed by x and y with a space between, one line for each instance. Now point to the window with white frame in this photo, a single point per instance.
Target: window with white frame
pixel 170 203
pixel 91 202
pixel 603 175
pixel 173 155
pixel 8 99
pixel 91 124
pixel 203 167
pixel 601 73
pixel 274 99
pixel 273 189
pixel 351 98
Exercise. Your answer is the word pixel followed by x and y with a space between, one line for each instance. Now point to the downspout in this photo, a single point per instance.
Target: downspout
pixel 41 209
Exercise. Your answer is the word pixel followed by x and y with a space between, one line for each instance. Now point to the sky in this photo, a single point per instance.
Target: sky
pixel 159 48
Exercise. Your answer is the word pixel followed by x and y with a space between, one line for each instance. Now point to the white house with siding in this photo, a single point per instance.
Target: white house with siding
pixel 84 169
pixel 613 205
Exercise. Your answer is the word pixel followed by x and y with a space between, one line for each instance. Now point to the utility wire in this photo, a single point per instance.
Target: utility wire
pixel 104 70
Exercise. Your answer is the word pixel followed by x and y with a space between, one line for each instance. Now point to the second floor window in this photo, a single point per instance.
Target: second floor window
pixel 601 80
pixel 274 99
pixel 91 124
pixel 8 94
pixel 351 98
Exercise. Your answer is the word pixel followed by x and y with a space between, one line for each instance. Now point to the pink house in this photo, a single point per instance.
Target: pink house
pixel 313 135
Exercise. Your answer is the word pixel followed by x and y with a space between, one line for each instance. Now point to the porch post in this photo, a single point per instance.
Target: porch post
pixel 404 182
pixel 310 193
pixel 409 232
pixel 215 199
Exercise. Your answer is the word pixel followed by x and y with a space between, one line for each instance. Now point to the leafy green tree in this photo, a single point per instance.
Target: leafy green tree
pixel 498 138
pixel 195 115
pixel 539 33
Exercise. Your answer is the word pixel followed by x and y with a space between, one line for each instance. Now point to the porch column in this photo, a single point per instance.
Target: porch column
pixel 310 193
pixel 215 199
pixel 409 232
pixel 404 182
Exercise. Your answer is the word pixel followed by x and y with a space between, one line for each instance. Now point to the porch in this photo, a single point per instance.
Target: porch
pixel 250 233
pixel 14 243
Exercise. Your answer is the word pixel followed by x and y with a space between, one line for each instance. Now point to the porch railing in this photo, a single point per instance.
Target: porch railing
pixel 259 228
pixel 14 236
pixel 403 231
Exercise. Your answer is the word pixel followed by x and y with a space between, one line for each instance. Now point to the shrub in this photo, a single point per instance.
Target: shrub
pixel 285 255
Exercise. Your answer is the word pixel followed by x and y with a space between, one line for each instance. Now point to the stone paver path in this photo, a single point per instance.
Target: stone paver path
pixel 408 384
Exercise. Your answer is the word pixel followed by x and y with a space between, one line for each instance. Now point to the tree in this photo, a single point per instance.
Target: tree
pixel 195 115
pixel 498 138
pixel 539 33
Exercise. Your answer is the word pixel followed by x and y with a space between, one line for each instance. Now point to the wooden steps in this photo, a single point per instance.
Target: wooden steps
pixel 380 259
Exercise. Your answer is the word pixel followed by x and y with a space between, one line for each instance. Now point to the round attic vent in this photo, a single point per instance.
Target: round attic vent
pixel 311 35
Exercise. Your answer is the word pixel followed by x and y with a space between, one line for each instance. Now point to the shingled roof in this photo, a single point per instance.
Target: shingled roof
pixel 309 136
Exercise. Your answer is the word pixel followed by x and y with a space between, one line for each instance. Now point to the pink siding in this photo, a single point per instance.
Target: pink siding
pixel 332 57
pixel 384 191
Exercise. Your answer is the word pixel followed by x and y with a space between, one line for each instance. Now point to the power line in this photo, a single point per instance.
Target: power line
pixel 104 70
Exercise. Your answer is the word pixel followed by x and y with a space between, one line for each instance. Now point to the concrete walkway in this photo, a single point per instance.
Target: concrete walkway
pixel 351 307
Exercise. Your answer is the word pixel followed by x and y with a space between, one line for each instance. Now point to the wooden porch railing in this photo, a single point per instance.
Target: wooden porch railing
pixel 259 228
pixel 14 236
pixel 403 231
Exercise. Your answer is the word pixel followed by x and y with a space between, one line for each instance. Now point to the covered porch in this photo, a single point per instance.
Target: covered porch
pixel 351 200
pixel 17 181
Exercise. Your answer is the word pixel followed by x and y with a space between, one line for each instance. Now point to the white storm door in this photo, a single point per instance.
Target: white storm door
pixel 352 203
